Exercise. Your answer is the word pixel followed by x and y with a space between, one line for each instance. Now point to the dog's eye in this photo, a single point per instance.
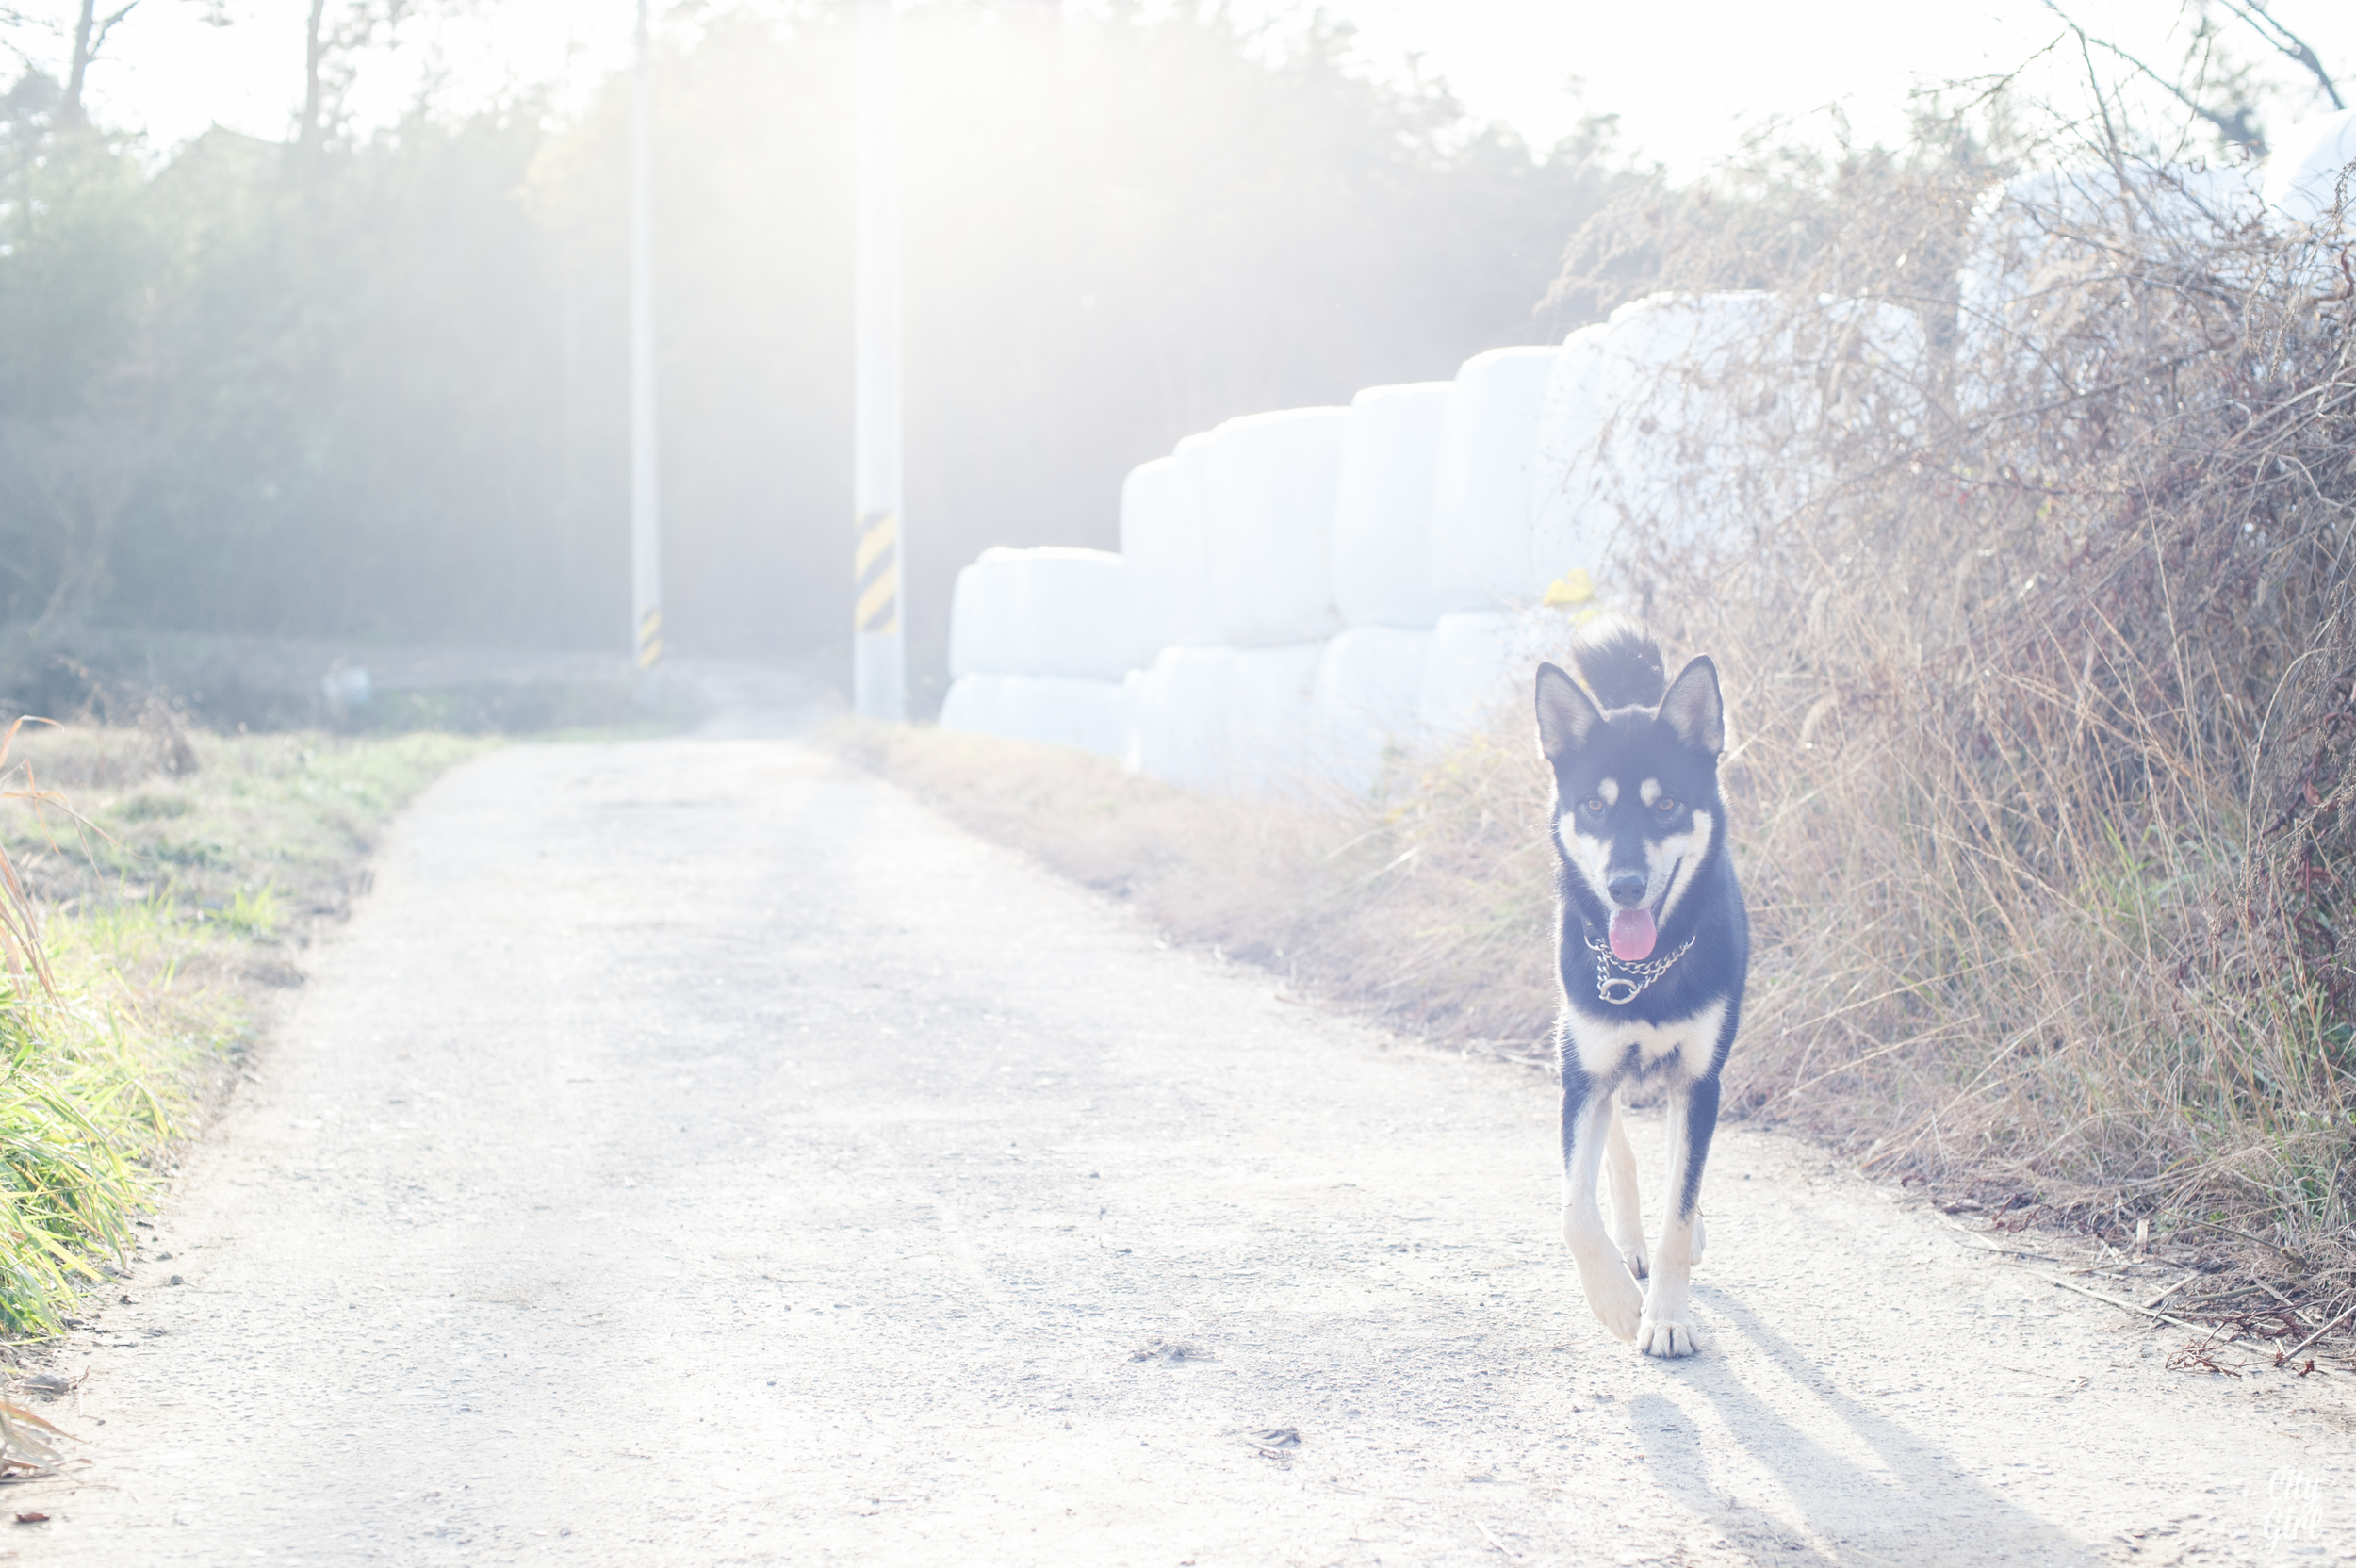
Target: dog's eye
pixel 1593 806
pixel 1665 805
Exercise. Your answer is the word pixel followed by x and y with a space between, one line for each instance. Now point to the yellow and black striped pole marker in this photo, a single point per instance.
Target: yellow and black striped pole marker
pixel 875 565
pixel 878 634
pixel 649 638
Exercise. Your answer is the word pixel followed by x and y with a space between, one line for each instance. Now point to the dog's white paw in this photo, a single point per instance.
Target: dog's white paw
pixel 1613 1295
pixel 1669 1339
pixel 1632 1254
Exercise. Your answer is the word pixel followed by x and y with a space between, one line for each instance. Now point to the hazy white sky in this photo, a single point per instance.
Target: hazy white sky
pixel 1684 78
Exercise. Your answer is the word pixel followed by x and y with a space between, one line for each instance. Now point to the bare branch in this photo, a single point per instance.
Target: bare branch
pixel 98 38
pixel 2234 126
pixel 89 37
pixel 2261 22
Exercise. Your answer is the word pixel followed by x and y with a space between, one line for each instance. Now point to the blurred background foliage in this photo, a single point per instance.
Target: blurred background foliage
pixel 375 387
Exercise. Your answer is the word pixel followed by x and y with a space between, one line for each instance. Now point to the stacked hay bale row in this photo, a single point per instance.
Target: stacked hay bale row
pixel 1299 595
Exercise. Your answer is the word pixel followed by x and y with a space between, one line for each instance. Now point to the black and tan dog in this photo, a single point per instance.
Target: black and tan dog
pixel 1654 948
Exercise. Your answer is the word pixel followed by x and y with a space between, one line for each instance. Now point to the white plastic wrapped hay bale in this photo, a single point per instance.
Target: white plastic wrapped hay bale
pixel 1045 611
pixel 1179 717
pixel 1270 490
pixel 2309 170
pixel 1091 716
pixel 1271 701
pixel 1071 613
pixel 984 616
pixel 1481 665
pixel 2047 247
pixel 1162 536
pixel 1623 438
pixel 1382 505
pixel 1583 386
pixel 975 705
pixel 1686 420
pixel 1367 702
pixel 1481 492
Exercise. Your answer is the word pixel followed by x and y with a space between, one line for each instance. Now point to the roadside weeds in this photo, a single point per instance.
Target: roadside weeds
pixel 161 886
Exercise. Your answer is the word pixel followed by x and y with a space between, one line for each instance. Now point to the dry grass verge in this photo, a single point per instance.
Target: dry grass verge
pixel 2045 690
pixel 1433 915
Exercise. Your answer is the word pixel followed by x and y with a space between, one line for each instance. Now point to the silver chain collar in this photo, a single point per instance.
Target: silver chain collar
pixel 1635 979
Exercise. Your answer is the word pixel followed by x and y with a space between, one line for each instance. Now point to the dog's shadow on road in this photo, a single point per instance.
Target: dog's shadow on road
pixel 1917 1506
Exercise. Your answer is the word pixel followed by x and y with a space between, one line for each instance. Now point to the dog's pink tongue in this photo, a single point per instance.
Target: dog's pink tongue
pixel 1631 934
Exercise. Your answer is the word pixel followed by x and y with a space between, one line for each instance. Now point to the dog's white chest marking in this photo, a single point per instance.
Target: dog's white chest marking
pixel 1604 1043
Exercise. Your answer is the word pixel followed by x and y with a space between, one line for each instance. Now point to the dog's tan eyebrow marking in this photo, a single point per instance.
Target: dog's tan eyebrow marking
pixel 1649 790
pixel 1610 790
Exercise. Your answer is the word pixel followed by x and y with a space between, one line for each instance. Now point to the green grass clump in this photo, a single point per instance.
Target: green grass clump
pixel 87 1100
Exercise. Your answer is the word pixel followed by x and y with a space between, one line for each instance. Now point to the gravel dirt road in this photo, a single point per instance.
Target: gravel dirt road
pixel 696 1152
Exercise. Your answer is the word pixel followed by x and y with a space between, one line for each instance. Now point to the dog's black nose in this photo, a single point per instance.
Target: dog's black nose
pixel 1627 888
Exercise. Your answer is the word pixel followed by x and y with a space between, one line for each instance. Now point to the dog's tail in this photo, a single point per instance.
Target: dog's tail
pixel 1620 662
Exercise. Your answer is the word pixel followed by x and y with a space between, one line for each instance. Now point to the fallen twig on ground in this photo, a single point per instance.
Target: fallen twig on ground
pixel 2123 1306
pixel 2343 1317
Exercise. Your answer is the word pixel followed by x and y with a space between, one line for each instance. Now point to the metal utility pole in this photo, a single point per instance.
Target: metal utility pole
pixel 645 496
pixel 878 631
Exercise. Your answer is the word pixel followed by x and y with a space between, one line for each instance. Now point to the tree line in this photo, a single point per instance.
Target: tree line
pixel 374 385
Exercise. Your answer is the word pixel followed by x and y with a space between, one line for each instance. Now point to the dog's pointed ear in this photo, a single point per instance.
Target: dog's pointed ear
pixel 1693 710
pixel 1566 715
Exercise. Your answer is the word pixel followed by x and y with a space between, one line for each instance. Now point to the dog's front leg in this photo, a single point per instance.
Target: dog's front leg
pixel 1668 1328
pixel 1611 1291
pixel 1627 1211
